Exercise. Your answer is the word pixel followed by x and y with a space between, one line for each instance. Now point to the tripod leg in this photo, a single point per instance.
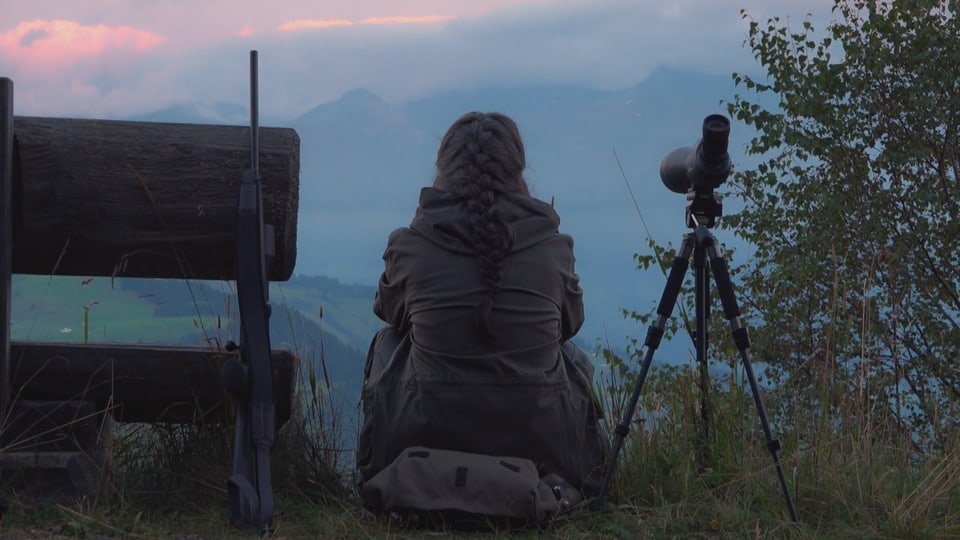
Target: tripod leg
pixel 654 334
pixel 701 280
pixel 731 312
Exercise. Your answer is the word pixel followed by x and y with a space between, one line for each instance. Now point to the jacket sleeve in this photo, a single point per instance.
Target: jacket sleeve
pixel 390 301
pixel 571 308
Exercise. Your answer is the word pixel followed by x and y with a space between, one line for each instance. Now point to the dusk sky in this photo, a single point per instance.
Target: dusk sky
pixel 114 58
pixel 120 58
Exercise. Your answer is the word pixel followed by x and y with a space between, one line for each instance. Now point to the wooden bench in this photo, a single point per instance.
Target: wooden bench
pixel 126 199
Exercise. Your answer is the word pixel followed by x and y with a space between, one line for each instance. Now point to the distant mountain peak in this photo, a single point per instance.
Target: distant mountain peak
pixel 361 95
pixel 679 85
pixel 201 112
pixel 355 105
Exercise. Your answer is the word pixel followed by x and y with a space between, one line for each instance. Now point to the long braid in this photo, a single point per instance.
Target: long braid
pixel 481 156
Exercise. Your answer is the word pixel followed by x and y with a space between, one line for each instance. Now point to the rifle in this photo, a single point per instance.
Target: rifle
pixel 249 379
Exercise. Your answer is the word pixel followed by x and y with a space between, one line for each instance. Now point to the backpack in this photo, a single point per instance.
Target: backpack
pixel 435 487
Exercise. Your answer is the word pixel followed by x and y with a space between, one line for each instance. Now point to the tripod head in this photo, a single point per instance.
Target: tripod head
pixel 700 169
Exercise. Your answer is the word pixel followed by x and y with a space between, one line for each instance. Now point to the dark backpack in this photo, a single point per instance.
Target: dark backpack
pixel 431 487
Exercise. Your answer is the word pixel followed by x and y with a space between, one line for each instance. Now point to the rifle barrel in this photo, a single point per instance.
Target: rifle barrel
pixel 254 114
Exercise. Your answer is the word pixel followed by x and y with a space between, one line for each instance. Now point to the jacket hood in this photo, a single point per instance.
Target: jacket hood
pixel 439 218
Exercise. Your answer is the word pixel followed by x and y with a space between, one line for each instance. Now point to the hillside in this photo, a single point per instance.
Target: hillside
pixel 319 318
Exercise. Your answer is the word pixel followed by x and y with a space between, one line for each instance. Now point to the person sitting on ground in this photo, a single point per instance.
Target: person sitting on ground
pixel 481 299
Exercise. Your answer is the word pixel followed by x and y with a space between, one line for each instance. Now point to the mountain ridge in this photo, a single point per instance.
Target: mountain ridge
pixel 595 152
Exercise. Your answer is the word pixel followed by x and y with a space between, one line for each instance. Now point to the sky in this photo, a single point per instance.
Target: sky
pixel 121 58
pixel 117 58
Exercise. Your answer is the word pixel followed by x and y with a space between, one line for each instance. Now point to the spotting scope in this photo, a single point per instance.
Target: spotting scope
pixel 703 167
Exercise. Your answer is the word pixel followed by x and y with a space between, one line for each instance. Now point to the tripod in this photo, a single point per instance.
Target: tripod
pixel 703 245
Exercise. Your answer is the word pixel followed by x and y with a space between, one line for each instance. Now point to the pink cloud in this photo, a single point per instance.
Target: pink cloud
pixel 423 19
pixel 246 31
pixel 312 24
pixel 64 67
pixel 44 44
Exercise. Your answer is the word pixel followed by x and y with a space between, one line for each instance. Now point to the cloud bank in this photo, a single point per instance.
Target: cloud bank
pixel 107 69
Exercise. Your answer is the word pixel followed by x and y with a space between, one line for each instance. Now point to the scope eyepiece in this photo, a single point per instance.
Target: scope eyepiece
pixel 716 134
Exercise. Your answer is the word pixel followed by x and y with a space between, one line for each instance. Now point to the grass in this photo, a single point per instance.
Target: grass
pixel 298 519
pixel 851 479
pixel 851 474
